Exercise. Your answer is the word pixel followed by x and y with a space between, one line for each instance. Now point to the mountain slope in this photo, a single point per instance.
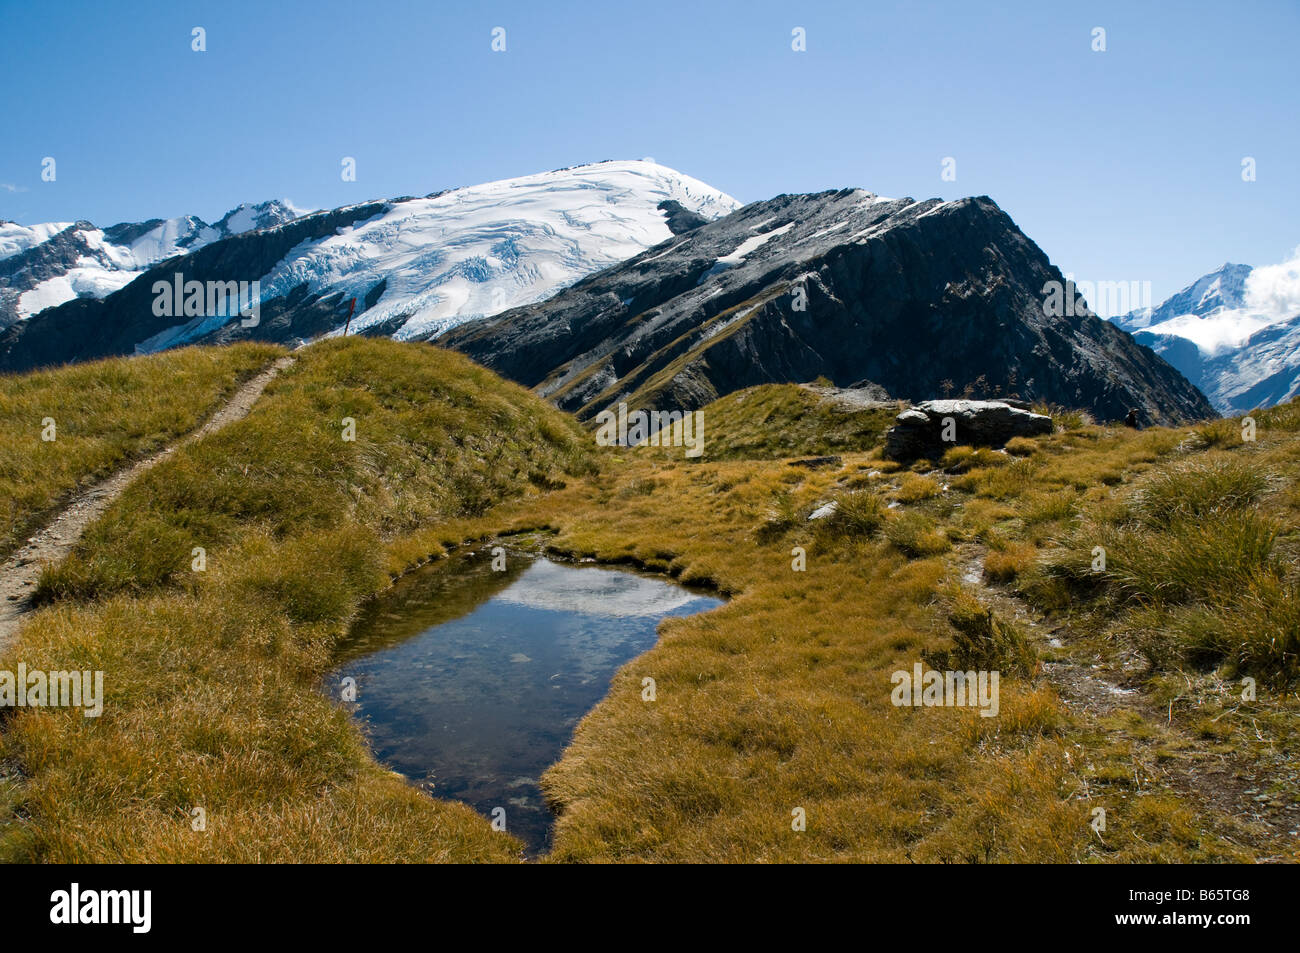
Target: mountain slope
pixel 921 298
pixel 1260 371
pixel 414 266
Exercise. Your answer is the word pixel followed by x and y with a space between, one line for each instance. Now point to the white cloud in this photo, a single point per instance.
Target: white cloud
pixel 1272 296
pixel 1275 289
pixel 10 187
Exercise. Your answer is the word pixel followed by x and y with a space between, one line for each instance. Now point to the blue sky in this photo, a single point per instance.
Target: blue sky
pixel 1123 165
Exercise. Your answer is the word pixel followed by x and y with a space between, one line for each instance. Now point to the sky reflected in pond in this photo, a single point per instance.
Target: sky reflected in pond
pixel 470 682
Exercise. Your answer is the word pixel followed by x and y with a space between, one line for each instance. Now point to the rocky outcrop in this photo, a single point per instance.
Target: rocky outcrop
pixel 678 218
pixel 921 298
pixel 930 428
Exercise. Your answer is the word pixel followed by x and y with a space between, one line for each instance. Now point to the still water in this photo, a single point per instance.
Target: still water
pixel 470 682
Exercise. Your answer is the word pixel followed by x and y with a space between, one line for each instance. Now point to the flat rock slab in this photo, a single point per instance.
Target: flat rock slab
pixel 932 427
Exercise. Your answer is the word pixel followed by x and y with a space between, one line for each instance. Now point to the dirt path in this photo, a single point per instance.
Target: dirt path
pixel 19 573
pixel 1225 785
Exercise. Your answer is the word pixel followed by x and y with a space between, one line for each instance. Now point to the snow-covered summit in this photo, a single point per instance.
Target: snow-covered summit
pixel 1225 287
pixel 476 251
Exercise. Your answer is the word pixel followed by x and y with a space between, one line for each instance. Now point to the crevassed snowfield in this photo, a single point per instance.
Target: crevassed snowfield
pixel 476 251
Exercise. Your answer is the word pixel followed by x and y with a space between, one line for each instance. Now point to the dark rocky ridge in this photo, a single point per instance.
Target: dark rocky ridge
pixel 922 298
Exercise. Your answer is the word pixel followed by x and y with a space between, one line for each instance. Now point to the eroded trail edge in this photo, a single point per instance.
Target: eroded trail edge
pixel 19 573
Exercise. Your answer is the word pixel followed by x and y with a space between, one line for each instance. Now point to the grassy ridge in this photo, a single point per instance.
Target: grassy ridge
pixel 435 437
pixel 209 675
pixel 106 414
pixel 776 703
pixel 789 420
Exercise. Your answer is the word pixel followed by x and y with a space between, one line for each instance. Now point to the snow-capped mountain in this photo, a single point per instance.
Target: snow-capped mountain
pixel 476 251
pixel 414 266
pixel 42 266
pixel 1225 287
pixel 628 279
pixel 1234 333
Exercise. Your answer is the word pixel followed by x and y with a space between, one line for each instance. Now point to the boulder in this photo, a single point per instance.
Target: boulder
pixel 823 511
pixel 930 428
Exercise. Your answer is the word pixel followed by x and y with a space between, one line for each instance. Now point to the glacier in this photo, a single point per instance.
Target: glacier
pixel 420 265
pixel 473 252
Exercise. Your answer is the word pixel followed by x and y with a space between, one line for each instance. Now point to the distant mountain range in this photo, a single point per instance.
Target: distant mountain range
pixel 42 266
pixel 1234 333
pixel 618 281
pixel 413 265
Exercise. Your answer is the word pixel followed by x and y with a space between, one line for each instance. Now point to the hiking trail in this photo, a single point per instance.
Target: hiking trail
pixel 52 543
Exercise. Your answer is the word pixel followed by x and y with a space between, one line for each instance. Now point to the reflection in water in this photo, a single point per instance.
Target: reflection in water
pixel 471 681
